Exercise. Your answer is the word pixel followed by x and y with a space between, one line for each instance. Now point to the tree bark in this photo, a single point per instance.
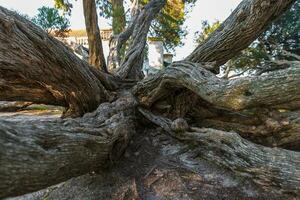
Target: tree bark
pixel 42 153
pixel 33 69
pixel 235 95
pixel 39 154
pixel 117 42
pixel 118 16
pixel 96 55
pixel 132 64
pixel 252 106
pixel 230 150
pixel 237 32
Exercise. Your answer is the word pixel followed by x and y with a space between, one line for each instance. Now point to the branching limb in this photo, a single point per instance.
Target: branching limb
pixel 38 68
pixel 132 64
pixel 43 152
pixel 237 32
pixel 269 167
pixel 271 89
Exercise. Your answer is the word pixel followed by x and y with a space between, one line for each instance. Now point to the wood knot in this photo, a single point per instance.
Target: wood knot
pixel 179 125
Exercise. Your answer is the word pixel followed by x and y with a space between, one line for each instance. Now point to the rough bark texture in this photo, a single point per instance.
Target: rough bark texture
pixel 117 42
pixel 267 166
pixel 234 94
pixel 241 28
pixel 33 69
pixel 132 64
pixel 40 153
pixel 96 56
pixel 263 109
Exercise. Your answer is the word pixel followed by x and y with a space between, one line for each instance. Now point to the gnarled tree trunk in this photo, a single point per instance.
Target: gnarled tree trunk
pixel 263 109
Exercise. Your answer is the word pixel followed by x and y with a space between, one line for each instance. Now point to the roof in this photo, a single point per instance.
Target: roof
pixel 82 32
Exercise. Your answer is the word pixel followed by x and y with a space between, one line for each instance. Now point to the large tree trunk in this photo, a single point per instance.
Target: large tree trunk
pixel 33 69
pixel 43 153
pixel 96 55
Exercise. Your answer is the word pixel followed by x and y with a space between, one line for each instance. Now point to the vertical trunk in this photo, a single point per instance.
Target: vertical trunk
pixel 96 56
pixel 119 21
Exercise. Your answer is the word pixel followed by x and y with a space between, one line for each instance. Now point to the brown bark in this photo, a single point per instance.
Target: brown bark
pixel 248 106
pixel 238 31
pixel 96 55
pixel 228 149
pixel 117 42
pixel 33 69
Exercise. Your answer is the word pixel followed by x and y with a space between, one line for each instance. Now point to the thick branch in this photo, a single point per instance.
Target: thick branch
pixel 268 167
pixel 39 153
pixel 132 64
pixel 237 32
pixel 271 89
pixel 38 68
pixel 118 41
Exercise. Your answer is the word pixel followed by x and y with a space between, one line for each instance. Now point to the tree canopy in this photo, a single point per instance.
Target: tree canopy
pixel 280 36
pixel 52 22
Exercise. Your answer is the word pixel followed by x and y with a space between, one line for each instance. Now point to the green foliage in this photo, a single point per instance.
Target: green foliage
pixel 64 5
pixel 52 22
pixel 169 23
pixel 207 29
pixel 282 34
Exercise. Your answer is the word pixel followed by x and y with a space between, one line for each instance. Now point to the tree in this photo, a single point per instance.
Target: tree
pixel 96 55
pixel 203 119
pixel 52 22
pixel 278 42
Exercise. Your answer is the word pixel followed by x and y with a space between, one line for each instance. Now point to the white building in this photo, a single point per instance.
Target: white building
pixel 80 37
pixel 156 61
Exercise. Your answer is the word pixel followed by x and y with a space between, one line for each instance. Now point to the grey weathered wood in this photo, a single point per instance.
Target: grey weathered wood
pixel 271 89
pixel 41 153
pixel 132 64
pixel 268 167
pixel 38 68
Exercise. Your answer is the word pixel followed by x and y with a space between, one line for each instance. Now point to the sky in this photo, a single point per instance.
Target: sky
pixel 211 10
